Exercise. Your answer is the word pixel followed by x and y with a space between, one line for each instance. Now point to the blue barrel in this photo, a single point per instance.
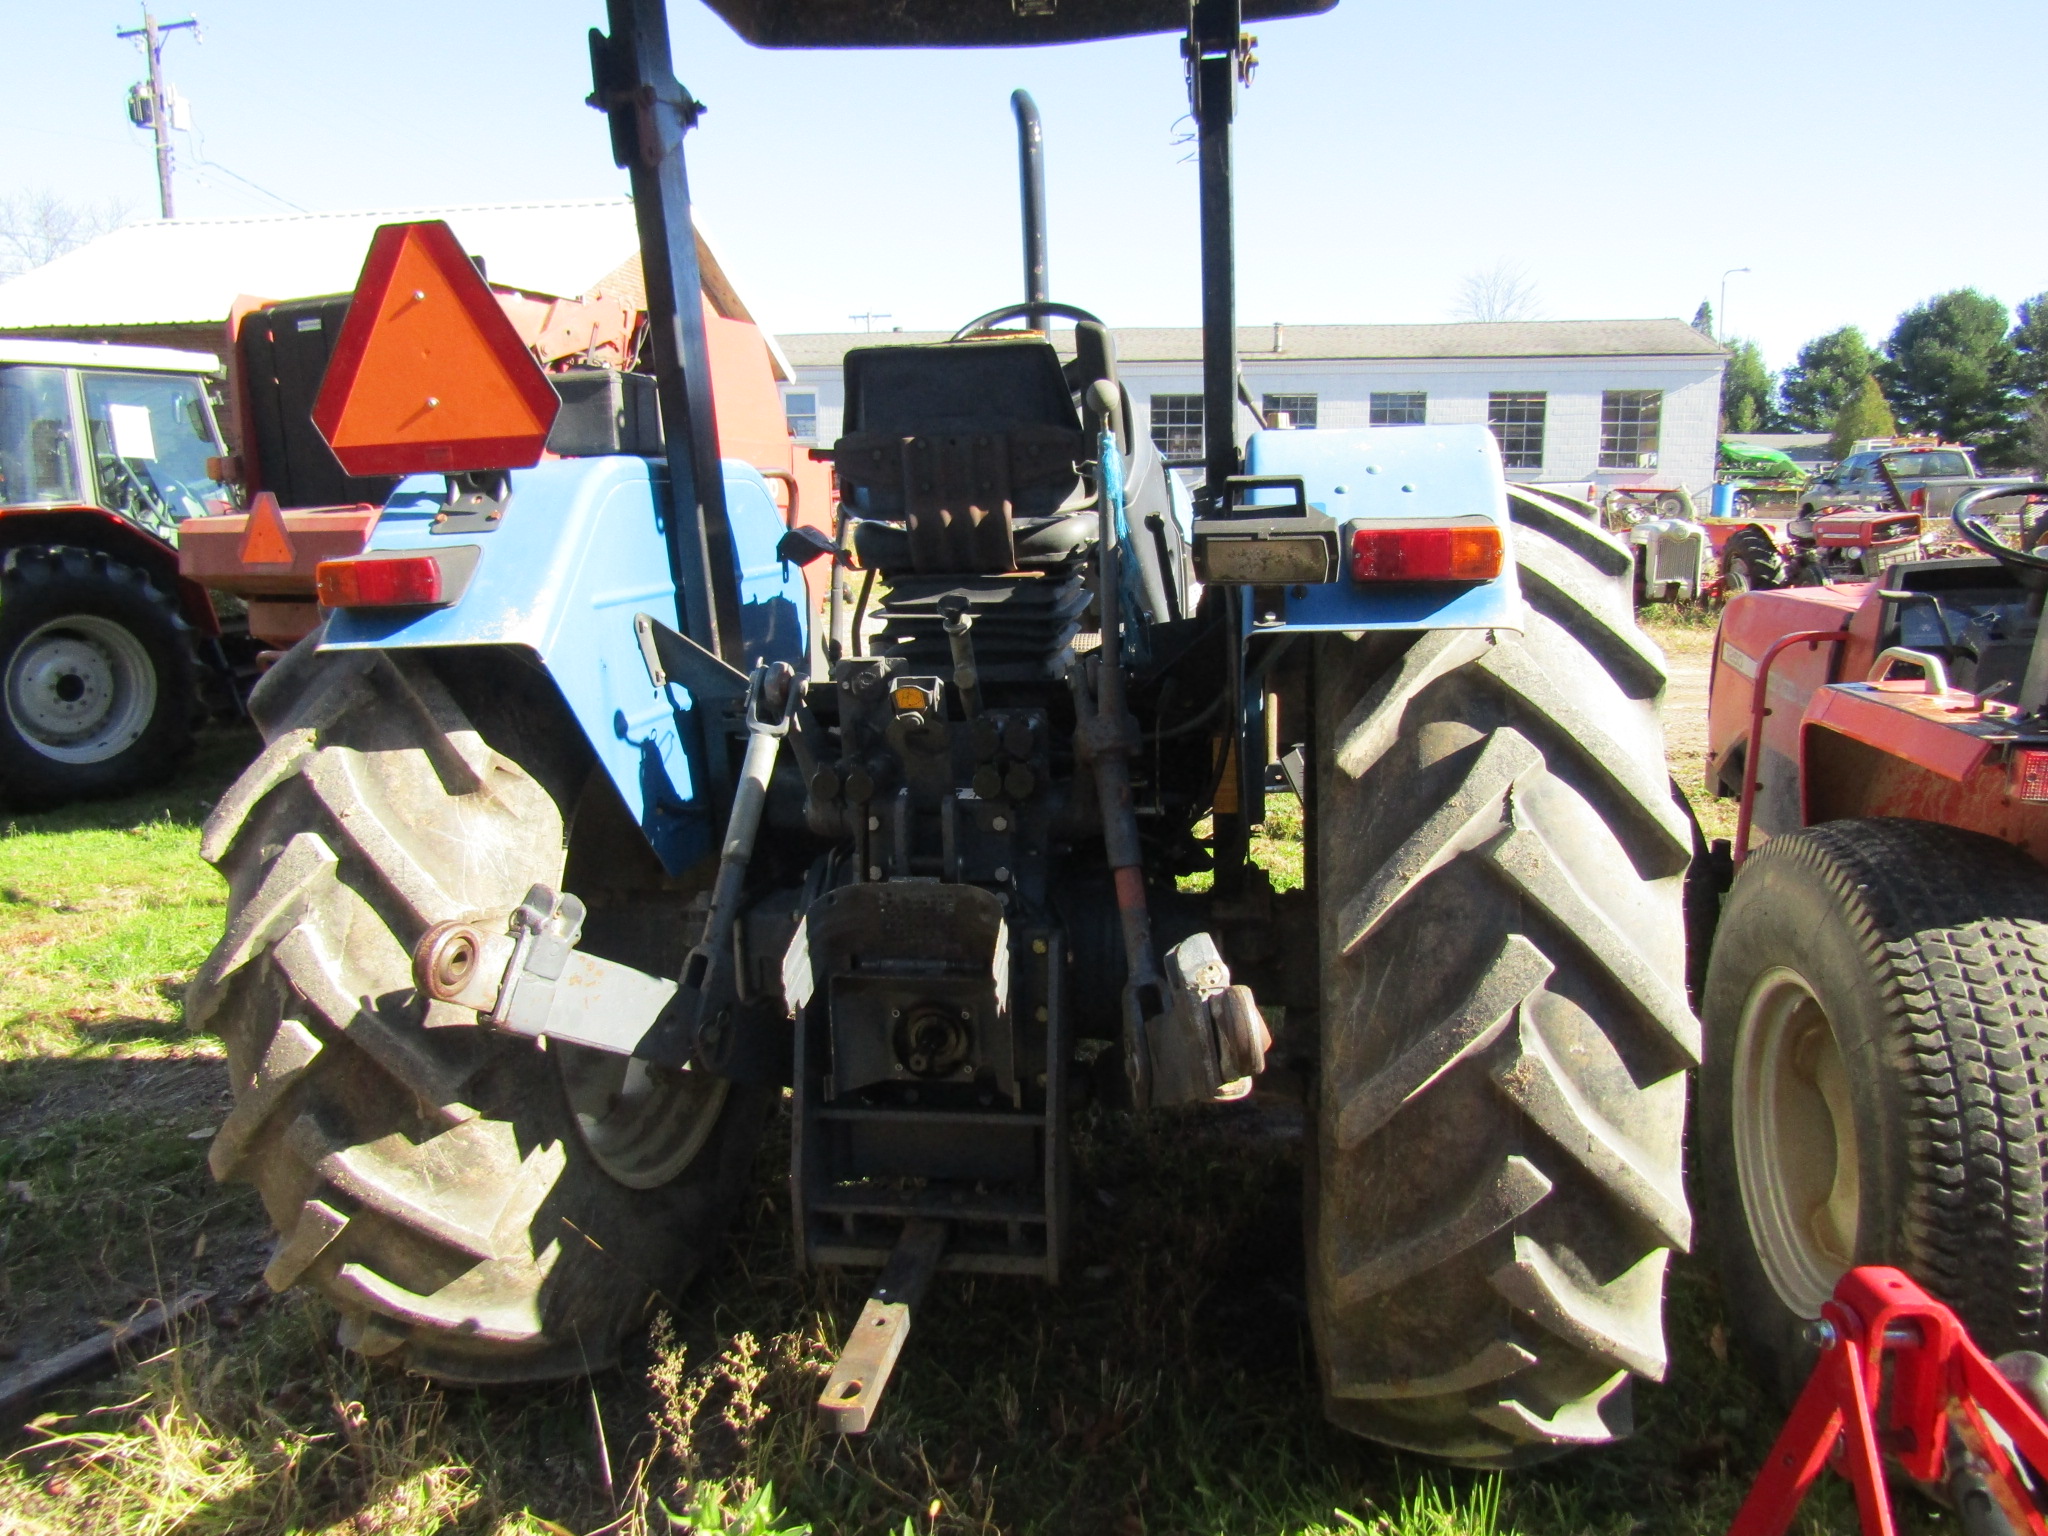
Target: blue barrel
pixel 1724 501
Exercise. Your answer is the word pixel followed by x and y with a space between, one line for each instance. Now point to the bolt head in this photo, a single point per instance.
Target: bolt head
pixel 1822 1334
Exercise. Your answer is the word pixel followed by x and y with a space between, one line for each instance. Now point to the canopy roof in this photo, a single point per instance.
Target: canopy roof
pixel 968 23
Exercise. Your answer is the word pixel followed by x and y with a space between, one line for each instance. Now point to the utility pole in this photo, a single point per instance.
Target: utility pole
pixel 870 317
pixel 154 37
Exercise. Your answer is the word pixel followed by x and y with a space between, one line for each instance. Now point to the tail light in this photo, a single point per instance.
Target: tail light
pixel 411 579
pixel 1438 552
pixel 1919 500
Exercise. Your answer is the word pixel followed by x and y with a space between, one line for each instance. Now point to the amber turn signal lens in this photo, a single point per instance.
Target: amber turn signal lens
pixel 909 698
pixel 1464 552
pixel 410 581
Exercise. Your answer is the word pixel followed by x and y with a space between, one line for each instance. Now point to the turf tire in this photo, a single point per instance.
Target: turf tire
pixel 1505 1032
pixel 41 588
pixel 1926 950
pixel 431 1181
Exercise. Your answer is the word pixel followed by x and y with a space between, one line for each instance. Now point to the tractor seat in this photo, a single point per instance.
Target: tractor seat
pixel 961 458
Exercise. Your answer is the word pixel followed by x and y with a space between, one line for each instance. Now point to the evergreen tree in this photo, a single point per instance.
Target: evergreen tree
pixel 2030 345
pixel 1828 375
pixel 1703 319
pixel 1866 415
pixel 2034 433
pixel 1949 369
pixel 1747 389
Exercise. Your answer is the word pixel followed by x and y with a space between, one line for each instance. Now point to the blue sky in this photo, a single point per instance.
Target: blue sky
pixel 1858 155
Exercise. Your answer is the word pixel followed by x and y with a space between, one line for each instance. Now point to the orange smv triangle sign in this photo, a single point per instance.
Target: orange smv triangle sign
pixel 428 373
pixel 265 539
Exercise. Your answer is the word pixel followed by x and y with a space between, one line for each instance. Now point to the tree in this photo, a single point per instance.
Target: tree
pixel 1828 375
pixel 1747 389
pixel 2035 436
pixel 1866 415
pixel 40 226
pixel 2030 345
pixel 1503 291
pixel 1949 369
pixel 1703 319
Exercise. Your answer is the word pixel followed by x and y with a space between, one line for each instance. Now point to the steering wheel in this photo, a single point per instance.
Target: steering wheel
pixel 1011 311
pixel 1981 535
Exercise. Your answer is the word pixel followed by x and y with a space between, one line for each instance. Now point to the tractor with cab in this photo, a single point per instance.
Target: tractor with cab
pixel 572 847
pixel 105 452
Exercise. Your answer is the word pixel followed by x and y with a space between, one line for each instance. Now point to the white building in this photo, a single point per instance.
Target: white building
pixel 1594 403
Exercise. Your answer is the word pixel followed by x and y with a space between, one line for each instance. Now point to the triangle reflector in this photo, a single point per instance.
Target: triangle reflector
pixel 265 539
pixel 428 373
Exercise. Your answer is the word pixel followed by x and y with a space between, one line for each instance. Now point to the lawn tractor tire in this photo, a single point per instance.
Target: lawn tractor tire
pixel 98 687
pixel 478 1207
pixel 1876 1082
pixel 1750 562
pixel 1505 1032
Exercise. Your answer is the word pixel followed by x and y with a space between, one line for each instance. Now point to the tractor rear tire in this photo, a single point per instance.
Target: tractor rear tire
pixel 1505 1033
pixel 1750 562
pixel 1876 1082
pixel 479 1208
pixel 97 683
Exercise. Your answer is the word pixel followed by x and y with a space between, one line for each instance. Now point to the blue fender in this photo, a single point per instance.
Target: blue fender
pixel 580 550
pixel 1393 474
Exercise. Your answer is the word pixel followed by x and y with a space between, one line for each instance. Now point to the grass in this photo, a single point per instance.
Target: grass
pixel 1168 1386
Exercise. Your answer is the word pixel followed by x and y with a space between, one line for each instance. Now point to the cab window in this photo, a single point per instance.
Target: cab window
pixel 37 464
pixel 151 435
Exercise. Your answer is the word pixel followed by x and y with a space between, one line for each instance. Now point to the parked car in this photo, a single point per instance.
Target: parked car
pixel 1921 475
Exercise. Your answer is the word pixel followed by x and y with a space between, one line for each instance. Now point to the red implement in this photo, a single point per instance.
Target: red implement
pixel 1940 1381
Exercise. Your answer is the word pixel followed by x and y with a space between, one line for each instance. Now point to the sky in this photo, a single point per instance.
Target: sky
pixel 1858 156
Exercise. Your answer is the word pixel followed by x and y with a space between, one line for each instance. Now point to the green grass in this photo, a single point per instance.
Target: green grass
pixel 1166 1386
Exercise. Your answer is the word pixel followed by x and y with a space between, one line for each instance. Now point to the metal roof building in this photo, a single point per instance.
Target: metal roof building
pixel 173 282
pixel 1591 403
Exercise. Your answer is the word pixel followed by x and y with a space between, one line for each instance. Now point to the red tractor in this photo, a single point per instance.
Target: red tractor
pixel 1845 544
pixel 1875 1001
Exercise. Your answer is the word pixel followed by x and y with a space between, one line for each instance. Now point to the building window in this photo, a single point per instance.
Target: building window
pixel 802 411
pixel 1516 417
pixel 1405 408
pixel 1177 427
pixel 1628 428
pixel 1300 411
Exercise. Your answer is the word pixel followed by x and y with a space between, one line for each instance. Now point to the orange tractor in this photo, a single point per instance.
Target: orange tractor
pixel 1875 1003
pixel 303 508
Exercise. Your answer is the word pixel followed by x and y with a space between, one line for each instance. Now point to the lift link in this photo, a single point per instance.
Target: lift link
pixel 530 979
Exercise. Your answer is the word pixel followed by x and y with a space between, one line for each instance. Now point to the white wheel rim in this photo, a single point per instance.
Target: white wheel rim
pixel 1795 1141
pixel 643 1125
pixel 80 689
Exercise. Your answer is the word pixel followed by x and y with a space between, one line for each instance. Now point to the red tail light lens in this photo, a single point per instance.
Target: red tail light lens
pixel 1458 552
pixel 404 581
pixel 1919 502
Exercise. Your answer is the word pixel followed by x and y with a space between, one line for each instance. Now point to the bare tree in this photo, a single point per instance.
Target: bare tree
pixel 40 226
pixel 1503 291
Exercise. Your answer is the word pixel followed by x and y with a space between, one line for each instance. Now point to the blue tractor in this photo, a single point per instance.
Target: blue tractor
pixel 572 847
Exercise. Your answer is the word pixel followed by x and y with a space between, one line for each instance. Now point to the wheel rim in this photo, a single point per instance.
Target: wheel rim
pixel 80 689
pixel 1795 1141
pixel 642 1124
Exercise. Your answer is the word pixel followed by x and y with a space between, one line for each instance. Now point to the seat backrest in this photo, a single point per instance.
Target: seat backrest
pixel 955 441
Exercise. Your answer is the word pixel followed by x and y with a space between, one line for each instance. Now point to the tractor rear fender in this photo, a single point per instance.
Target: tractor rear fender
pixel 578 552
pixel 1750 624
pixel 1392 476
pixel 86 527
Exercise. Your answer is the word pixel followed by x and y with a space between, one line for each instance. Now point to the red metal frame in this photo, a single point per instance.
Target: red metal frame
pixel 1757 711
pixel 1940 1381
